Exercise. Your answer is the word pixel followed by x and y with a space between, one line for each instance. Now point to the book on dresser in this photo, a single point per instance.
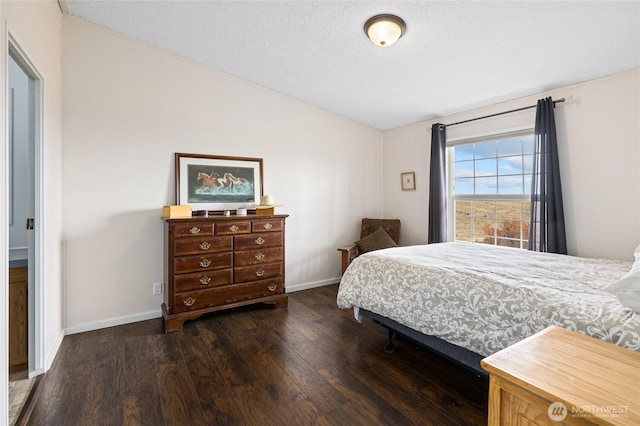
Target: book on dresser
pixel 221 262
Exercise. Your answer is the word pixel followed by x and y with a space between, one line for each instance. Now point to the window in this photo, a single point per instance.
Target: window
pixel 489 185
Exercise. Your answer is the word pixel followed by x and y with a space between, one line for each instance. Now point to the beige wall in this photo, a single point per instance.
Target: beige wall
pixel 36 27
pixel 129 107
pixel 599 144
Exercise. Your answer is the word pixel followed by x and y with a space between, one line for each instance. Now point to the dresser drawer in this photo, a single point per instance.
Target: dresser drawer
pixel 257 257
pixel 232 227
pixel 191 229
pixel 202 263
pixel 226 295
pixel 257 272
pixel 254 241
pixel 185 246
pixel 267 225
pixel 203 280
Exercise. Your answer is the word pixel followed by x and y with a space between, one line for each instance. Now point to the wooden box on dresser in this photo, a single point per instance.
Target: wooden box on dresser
pixel 221 262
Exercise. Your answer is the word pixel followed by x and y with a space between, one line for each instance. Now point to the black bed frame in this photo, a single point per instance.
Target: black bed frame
pixel 457 354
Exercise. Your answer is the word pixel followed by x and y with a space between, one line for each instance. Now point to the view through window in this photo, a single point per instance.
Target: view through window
pixel 490 186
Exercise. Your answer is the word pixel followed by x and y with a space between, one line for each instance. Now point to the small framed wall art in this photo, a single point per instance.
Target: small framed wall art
pixel 408 181
pixel 217 183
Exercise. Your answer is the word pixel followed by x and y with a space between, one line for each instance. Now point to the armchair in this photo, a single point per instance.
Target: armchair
pixel 368 227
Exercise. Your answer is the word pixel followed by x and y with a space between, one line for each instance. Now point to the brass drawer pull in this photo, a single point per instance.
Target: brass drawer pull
pixel 233 228
pixel 260 272
pixel 272 287
pixel 189 301
pixel 260 241
pixel 194 230
pixel 205 262
pixel 260 256
pixel 205 245
pixel 205 280
pixel 267 226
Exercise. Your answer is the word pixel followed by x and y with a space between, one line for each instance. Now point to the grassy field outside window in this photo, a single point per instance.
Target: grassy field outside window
pixel 490 185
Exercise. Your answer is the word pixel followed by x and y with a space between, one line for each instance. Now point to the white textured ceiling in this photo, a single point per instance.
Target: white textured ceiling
pixel 454 56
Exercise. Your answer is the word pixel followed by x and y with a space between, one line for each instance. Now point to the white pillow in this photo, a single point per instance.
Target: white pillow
pixel 636 252
pixel 627 288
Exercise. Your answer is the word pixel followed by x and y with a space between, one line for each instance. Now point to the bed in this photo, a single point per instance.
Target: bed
pixel 468 301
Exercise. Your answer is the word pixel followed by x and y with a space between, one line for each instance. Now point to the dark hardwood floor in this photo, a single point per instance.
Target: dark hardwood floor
pixel 308 364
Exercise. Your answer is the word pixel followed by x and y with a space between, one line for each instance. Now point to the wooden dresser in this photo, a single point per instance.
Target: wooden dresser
pixel 558 377
pixel 215 263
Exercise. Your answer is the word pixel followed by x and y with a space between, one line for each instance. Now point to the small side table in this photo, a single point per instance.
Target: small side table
pixel 561 377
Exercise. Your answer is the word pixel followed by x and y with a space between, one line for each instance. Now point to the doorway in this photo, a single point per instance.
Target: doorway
pixel 24 216
pixel 20 126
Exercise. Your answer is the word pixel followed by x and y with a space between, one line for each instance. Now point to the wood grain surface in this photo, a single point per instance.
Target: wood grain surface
pixel 310 364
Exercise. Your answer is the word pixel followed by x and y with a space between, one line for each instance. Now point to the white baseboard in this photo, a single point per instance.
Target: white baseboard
pixel 158 313
pixel 305 286
pixel 113 322
pixel 48 362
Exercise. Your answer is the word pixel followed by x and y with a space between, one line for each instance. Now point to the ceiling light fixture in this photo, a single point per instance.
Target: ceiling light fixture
pixel 384 30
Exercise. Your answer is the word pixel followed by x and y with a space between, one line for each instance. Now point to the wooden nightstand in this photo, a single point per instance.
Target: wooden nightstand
pixel 563 375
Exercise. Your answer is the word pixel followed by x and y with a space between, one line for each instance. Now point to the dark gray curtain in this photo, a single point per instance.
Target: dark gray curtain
pixel 438 185
pixel 546 226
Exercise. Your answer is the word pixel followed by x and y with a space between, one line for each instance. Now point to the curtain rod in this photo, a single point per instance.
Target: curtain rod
pixel 500 113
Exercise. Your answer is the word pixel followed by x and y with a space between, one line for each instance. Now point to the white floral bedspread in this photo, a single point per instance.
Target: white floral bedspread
pixel 485 298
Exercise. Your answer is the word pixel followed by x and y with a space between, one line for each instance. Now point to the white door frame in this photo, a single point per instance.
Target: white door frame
pixel 36 240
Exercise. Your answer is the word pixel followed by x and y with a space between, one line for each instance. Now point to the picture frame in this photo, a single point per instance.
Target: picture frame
pixel 408 181
pixel 216 183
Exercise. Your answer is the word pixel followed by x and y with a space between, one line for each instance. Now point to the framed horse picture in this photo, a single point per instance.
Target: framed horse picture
pixel 217 183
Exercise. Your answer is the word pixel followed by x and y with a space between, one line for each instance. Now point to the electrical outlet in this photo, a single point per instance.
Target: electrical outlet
pixel 157 288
